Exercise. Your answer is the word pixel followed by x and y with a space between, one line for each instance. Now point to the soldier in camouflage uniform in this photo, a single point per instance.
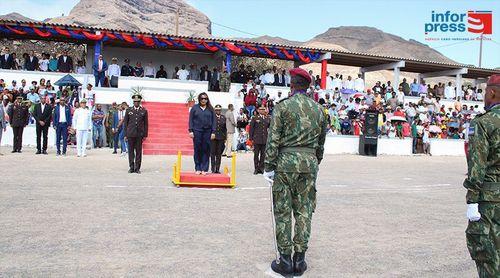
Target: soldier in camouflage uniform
pixel 225 81
pixel 294 150
pixel 483 184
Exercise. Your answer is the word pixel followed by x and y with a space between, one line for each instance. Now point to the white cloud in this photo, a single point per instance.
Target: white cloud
pixel 38 9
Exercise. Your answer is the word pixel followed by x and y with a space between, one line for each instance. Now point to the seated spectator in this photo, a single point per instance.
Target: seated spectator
pixel 80 68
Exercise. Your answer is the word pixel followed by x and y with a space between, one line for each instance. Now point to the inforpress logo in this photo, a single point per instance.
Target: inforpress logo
pixel 477 22
pixel 480 22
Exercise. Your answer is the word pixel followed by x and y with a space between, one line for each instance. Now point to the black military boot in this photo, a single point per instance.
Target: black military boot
pixel 299 263
pixel 284 266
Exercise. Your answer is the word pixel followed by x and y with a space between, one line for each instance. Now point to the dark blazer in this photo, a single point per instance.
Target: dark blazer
pixel 220 131
pixel 95 67
pixel 208 73
pixel 201 120
pixel 277 81
pixel 18 115
pixel 45 115
pixel 6 63
pixel 56 115
pixel 65 66
pixel 136 122
pixel 31 65
pixel 258 129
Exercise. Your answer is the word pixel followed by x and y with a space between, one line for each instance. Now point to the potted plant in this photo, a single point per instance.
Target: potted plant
pixel 191 99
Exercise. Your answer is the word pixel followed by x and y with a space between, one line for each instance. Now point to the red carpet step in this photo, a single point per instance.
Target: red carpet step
pixel 192 177
pixel 168 129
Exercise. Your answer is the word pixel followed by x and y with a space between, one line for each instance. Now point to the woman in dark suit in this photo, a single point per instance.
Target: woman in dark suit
pixel 202 126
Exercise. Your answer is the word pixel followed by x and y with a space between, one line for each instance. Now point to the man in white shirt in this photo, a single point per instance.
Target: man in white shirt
pixel 114 71
pixel 328 85
pixel 149 70
pixel 269 78
pixel 337 82
pixel 82 124
pixel 44 62
pixel 359 84
pixel 449 91
pixel 183 74
pixel 349 84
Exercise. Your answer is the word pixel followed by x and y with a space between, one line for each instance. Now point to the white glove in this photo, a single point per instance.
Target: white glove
pixel 269 176
pixel 473 212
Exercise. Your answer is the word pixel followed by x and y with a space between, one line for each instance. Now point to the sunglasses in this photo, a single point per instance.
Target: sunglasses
pixel 203 98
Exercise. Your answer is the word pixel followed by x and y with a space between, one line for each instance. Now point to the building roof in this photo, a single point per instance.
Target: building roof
pixel 82 34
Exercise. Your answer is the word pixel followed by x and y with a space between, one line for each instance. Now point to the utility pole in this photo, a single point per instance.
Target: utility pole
pixel 480 49
pixel 177 22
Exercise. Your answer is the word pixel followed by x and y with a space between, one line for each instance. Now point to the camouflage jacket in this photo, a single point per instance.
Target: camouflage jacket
pixel 483 163
pixel 297 122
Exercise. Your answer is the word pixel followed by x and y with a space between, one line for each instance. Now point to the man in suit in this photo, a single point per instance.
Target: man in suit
pixel 100 67
pixel 18 119
pixel 258 135
pixel 42 114
pixel 61 123
pixel 6 60
pixel 136 131
pixel 217 144
pixel 3 123
pixel 205 74
pixel 230 127
pixel 31 62
pixel 279 78
pixel 65 63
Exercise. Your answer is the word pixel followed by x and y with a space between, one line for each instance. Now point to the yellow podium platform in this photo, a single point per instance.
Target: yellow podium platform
pixel 191 179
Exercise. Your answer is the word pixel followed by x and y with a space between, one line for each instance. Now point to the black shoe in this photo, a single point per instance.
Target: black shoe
pixel 137 171
pixel 284 266
pixel 44 152
pixel 114 152
pixel 19 151
pixel 131 170
pixel 255 172
pixel 299 263
pixel 14 151
pixel 38 152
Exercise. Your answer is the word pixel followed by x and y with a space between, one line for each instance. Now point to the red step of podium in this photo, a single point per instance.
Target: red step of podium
pixel 208 180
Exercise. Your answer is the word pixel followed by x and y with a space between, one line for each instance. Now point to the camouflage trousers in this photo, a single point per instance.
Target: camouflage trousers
pixel 483 240
pixel 293 193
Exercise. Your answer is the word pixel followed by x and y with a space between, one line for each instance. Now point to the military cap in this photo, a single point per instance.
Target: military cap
pixel 137 97
pixel 300 72
pixel 494 80
pixel 218 107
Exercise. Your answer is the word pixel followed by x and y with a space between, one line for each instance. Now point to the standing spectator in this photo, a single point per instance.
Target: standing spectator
pixel 194 72
pixel 18 119
pixel 149 70
pixel 258 135
pixel 205 73
pixel 415 88
pixel 423 88
pixel 121 127
pixel 214 81
pixel 127 69
pixel 349 84
pixel 81 123
pixel 161 73
pixel 405 87
pixel 217 144
pixel 174 75
pixel 43 64
pixel 449 91
pixel 279 79
pixel 239 76
pixel 230 127
pixel 262 92
pixel 426 140
pixel 80 67
pixel 65 63
pixel 113 72
pixel 100 68
pixel 98 124
pixel 359 84
pixel 202 126
pixel 241 120
pixel 108 125
pixel 138 70
pixel 268 78
pixel 183 74
pixel 31 62
pixel 62 121
pixel 42 114
pixel 3 122
pixel 6 60
pixel 53 61
pixel 225 81
pixel 250 101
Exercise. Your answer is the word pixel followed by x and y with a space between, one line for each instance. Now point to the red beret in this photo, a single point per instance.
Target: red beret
pixel 494 80
pixel 300 72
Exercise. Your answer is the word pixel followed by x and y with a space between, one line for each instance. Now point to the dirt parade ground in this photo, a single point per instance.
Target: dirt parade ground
pixel 389 216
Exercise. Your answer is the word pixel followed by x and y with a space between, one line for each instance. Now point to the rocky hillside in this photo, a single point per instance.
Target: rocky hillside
pixel 145 15
pixel 15 16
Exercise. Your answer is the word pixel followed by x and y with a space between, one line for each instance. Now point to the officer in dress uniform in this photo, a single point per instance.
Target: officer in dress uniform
pixel 136 131
pixel 483 184
pixel 18 119
pixel 258 135
pixel 217 145
pixel 294 150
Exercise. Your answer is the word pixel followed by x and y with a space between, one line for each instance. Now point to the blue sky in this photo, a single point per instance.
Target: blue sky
pixel 302 20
